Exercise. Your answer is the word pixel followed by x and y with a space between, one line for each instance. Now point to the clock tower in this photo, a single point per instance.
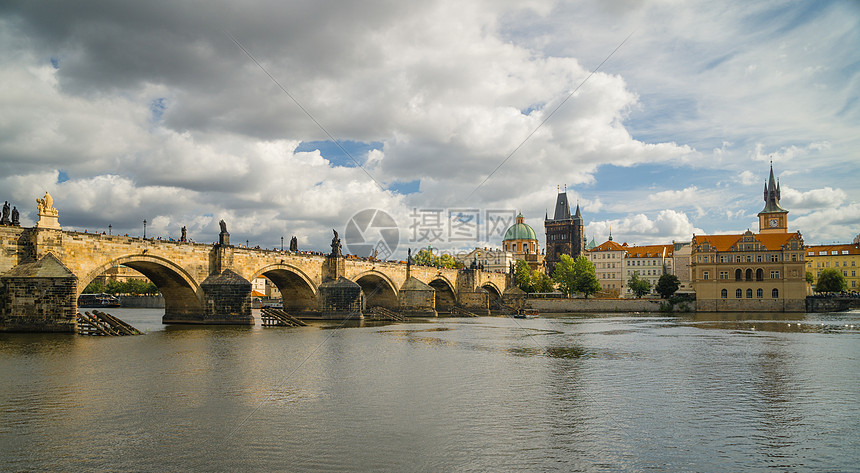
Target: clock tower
pixel 773 218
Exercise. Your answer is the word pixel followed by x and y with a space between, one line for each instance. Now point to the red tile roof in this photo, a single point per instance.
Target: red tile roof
pixel 608 246
pixel 851 248
pixel 650 251
pixel 771 241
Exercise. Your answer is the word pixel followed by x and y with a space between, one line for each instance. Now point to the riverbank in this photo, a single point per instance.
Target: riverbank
pixel 609 305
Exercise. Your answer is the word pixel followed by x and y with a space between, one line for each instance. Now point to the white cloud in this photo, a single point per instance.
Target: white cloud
pixel 813 199
pixel 639 229
pixel 749 178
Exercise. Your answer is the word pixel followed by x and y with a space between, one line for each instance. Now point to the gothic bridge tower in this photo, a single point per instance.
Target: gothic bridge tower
pixel 565 233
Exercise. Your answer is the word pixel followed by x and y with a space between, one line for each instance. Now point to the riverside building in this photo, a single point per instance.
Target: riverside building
pixel 762 271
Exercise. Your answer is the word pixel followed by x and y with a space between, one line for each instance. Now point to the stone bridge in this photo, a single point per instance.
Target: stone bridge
pixel 44 270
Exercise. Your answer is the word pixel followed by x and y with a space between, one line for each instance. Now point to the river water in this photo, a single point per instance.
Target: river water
pixel 718 392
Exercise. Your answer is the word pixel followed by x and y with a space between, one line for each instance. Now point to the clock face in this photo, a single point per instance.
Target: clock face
pixel 774 222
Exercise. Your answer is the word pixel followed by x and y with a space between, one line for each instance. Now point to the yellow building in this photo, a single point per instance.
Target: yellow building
pixel 844 258
pixel 608 260
pixel 650 262
pixel 762 271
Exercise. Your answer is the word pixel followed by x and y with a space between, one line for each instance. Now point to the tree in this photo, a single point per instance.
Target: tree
pixel 95 287
pixel 640 287
pixel 809 277
pixel 564 276
pixel 575 276
pixel 668 285
pixel 541 282
pixel 585 280
pixel 521 275
pixel 831 280
pixel 445 260
pixel 424 257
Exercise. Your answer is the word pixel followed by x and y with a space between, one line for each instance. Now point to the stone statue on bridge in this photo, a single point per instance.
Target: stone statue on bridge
pixel 223 237
pixel 294 244
pixel 4 220
pixel 184 236
pixel 335 244
pixel 47 213
pixel 45 205
pixel 16 222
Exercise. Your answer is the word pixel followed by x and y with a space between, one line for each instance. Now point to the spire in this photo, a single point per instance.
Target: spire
pixel 562 207
pixel 577 214
pixel 610 233
pixel 771 195
pixel 771 182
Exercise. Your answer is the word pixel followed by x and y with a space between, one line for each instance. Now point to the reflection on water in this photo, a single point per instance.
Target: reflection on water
pixel 700 392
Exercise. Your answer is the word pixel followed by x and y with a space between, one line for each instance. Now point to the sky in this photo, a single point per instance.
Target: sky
pixel 660 117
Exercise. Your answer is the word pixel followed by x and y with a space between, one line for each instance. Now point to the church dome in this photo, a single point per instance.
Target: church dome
pixel 520 231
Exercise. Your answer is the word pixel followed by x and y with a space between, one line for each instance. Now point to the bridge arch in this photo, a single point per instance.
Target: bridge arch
pixel 298 291
pixel 495 294
pixel 446 298
pixel 379 289
pixel 181 291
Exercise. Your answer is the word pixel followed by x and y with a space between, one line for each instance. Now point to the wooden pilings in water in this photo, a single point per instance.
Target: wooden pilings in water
pixel 101 323
pixel 272 317
pixel 462 312
pixel 379 312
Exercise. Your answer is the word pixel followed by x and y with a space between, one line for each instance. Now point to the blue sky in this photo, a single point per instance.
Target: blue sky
pixel 152 111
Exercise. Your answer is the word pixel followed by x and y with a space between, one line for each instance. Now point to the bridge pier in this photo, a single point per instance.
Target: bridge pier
pixel 226 301
pixel 39 297
pixel 470 295
pixel 339 298
pixel 417 299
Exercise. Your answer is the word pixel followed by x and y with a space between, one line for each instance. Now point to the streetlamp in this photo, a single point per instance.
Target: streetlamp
pixel 144 229
pixel 109 229
pixel 282 243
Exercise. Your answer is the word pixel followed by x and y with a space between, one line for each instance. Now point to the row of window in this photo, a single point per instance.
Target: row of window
pixel 773 258
pixel 844 273
pixel 513 247
pixel 832 252
pixel 759 293
pixel 740 275
pixel 826 264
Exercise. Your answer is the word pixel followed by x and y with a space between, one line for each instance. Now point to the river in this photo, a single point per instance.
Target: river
pixel 705 392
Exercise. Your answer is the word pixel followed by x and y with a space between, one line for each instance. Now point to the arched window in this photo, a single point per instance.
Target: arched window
pixel 749 274
pixel 738 276
pixel 759 293
pixel 724 294
pixel 738 294
pixel 759 274
pixel 749 293
pixel 775 293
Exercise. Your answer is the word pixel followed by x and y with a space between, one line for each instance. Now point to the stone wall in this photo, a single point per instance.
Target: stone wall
pixel 596 305
pixel 751 305
pixel 147 302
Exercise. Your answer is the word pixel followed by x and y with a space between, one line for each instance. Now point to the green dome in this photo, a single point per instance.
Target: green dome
pixel 520 231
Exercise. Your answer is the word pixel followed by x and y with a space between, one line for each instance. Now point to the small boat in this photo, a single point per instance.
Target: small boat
pixel 526 314
pixel 98 300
